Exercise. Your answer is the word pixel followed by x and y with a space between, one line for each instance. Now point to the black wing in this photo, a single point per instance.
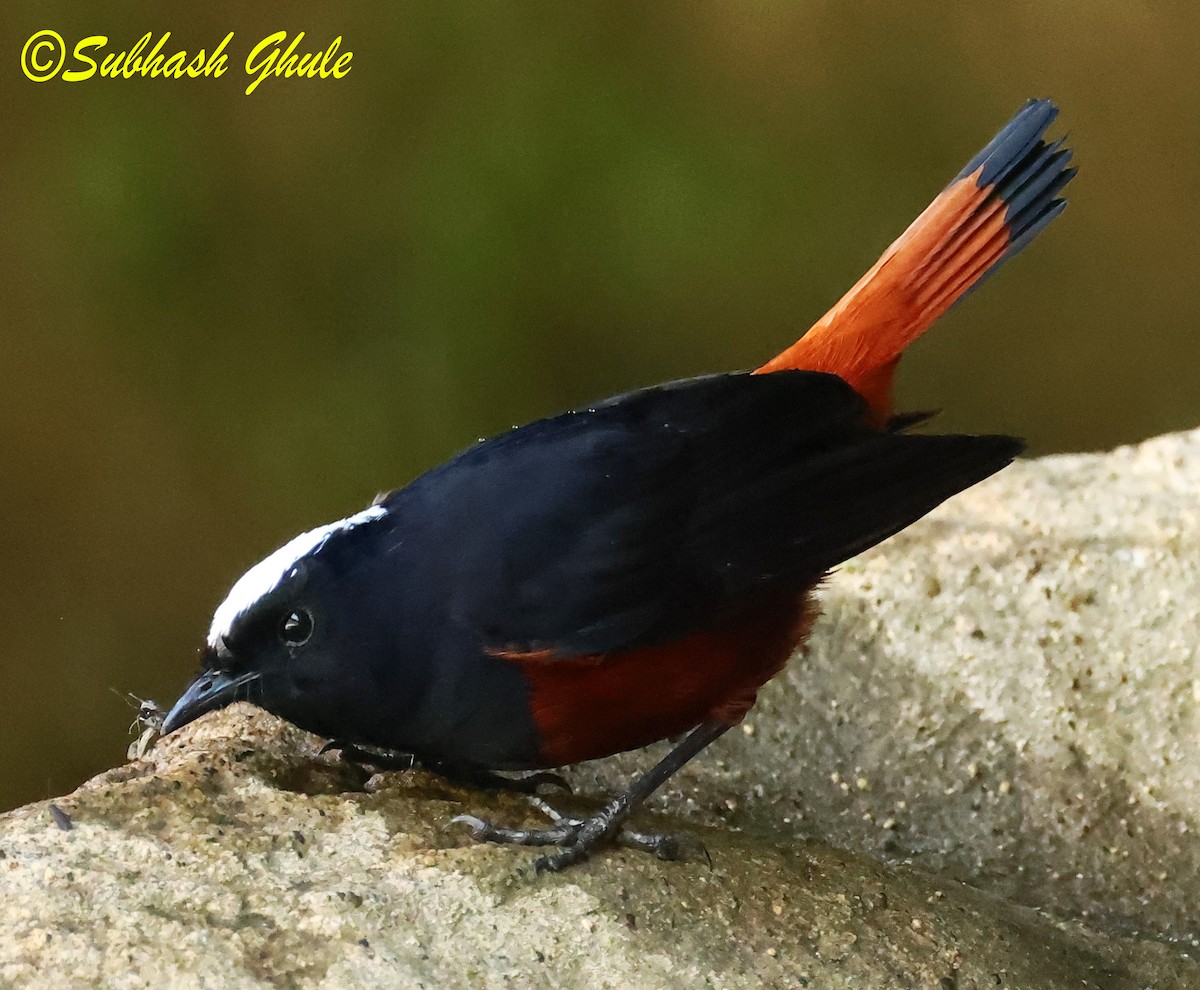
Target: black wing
pixel 634 521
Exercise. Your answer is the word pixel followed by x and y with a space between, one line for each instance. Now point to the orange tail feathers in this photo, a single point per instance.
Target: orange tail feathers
pixel 996 205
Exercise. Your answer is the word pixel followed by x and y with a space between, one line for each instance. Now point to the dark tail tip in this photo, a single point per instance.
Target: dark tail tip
pixel 1013 142
pixel 1026 173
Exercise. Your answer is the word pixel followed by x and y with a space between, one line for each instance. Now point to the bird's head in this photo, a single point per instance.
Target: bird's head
pixel 280 636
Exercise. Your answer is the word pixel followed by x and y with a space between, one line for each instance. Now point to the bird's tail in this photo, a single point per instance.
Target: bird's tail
pixel 995 206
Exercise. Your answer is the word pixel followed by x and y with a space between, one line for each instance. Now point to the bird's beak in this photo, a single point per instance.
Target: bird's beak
pixel 208 692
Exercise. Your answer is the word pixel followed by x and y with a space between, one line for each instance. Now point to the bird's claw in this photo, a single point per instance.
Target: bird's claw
pixel 377 759
pixel 485 831
pixel 577 836
pixel 382 759
pixel 665 845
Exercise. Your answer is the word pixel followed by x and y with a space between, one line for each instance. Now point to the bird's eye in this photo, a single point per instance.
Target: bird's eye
pixel 296 627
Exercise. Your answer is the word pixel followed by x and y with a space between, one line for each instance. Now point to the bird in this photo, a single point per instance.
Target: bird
pixel 636 569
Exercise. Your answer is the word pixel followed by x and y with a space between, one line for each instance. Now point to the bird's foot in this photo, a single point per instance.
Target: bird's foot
pixel 577 836
pixel 376 759
pixel 465 776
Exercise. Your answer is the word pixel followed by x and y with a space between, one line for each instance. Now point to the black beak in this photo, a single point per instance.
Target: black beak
pixel 208 692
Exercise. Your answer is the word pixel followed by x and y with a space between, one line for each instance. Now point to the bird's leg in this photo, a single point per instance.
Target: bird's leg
pixel 577 836
pixel 379 759
pixel 461 774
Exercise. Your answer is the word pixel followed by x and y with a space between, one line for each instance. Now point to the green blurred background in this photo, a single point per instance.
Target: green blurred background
pixel 228 318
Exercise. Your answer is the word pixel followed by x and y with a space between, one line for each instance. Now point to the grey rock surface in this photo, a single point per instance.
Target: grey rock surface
pixel 983 773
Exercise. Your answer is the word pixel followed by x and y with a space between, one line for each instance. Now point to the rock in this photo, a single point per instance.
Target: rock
pixel 982 774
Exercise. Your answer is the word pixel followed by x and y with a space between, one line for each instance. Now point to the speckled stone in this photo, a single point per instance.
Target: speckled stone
pixel 982 774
